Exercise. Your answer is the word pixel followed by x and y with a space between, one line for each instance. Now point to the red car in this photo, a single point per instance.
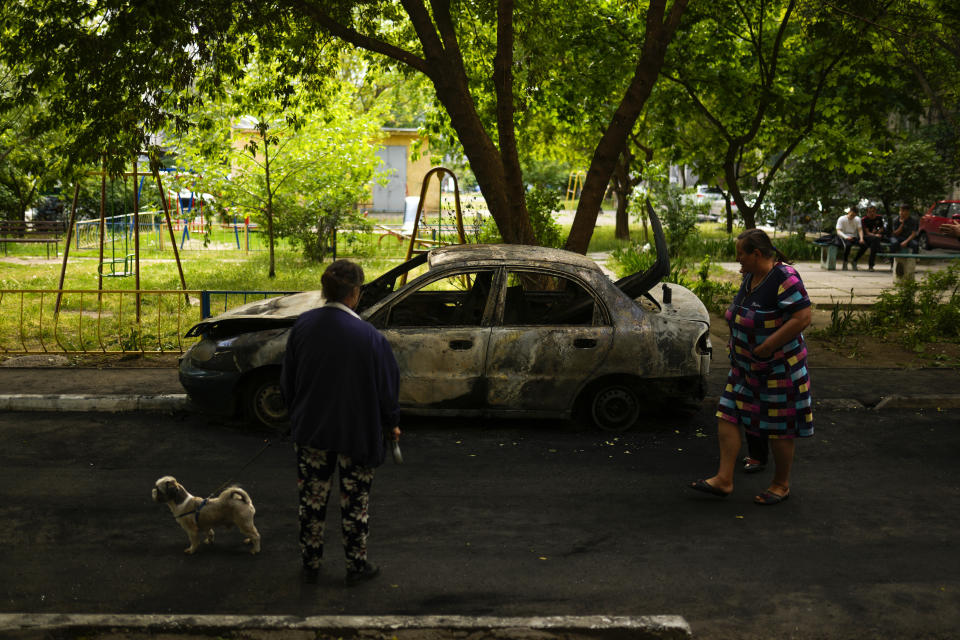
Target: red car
pixel 940 213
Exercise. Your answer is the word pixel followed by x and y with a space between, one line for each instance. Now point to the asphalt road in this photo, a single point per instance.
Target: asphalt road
pixel 498 518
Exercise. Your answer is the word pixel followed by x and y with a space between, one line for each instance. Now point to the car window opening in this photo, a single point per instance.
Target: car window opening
pixel 540 299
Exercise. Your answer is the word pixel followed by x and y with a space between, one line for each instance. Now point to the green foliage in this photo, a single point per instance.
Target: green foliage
pixel 633 258
pixel 842 321
pixel 715 294
pixel 542 204
pixel 547 175
pixel 911 172
pixel 31 162
pixel 678 214
pixel 297 169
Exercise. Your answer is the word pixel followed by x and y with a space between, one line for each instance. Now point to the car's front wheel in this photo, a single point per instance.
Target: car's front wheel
pixel 615 407
pixel 262 400
pixel 925 241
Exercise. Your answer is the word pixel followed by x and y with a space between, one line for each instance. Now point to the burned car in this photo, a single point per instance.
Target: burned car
pixel 485 329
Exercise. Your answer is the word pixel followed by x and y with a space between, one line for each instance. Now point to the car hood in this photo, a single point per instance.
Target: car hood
pixel 678 302
pixel 284 310
pixel 280 311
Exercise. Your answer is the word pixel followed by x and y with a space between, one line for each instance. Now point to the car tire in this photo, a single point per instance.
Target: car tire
pixel 262 401
pixel 614 407
pixel 925 241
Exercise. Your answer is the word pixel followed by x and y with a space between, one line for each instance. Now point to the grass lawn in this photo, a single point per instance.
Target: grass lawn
pixel 88 321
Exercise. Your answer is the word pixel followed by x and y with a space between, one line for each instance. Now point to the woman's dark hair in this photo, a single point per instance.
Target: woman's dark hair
pixel 339 279
pixel 757 239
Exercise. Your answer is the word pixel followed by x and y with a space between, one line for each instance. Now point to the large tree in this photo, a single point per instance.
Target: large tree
pixel 128 66
pixel 760 79
pixel 31 163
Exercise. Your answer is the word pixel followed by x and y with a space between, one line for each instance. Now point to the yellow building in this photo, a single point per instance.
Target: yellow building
pixel 403 152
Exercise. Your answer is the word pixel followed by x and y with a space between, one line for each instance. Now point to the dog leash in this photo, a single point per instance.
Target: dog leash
pixel 267 444
pixel 196 512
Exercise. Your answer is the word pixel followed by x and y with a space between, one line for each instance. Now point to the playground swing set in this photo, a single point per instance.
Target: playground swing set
pixel 114 267
pixel 128 264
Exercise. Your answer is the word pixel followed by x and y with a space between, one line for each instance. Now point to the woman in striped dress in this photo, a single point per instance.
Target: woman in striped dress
pixel 768 387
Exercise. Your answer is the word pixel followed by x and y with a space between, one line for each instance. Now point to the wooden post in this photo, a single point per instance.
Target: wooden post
pixel 103 225
pixel 66 247
pixel 173 240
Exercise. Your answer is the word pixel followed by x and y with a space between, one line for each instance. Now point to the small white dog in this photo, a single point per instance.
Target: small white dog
pixel 198 516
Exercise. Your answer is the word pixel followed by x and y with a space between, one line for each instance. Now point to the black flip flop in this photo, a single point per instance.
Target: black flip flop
pixel 706 487
pixel 768 498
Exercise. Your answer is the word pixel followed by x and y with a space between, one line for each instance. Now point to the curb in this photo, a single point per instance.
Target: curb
pixel 933 401
pixel 168 402
pixel 107 403
pixel 24 625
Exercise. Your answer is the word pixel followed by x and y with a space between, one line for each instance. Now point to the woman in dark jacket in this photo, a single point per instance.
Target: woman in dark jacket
pixel 340 382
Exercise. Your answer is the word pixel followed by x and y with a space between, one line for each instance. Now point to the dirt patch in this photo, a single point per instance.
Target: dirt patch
pixel 856 351
pixel 95 360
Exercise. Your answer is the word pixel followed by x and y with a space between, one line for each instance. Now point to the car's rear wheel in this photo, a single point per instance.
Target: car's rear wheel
pixel 615 407
pixel 925 241
pixel 262 401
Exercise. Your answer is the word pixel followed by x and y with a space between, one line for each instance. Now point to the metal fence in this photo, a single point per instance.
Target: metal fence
pixel 109 321
pixel 190 234
pixel 91 321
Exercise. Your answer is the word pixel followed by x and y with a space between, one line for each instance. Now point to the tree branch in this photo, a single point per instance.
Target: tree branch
pixel 352 36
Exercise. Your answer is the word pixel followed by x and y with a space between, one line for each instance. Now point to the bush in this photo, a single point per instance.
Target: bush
pixel 631 259
pixel 715 295
pixel 541 205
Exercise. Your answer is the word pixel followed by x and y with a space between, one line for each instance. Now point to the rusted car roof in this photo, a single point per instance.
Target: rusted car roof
pixel 471 253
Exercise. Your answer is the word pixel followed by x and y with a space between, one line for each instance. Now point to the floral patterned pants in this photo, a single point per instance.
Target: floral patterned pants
pixel 315 469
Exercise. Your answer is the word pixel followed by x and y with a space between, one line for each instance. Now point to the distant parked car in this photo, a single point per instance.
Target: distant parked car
pixel 487 329
pixel 708 194
pixel 938 214
pixel 708 200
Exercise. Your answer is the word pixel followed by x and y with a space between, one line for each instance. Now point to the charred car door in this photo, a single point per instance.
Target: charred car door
pixel 439 328
pixel 550 334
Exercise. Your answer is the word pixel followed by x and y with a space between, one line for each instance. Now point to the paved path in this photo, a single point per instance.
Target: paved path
pixel 854 289
pixel 827 288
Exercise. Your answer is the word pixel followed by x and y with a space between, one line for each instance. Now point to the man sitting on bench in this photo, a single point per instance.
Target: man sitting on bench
pixel 850 235
pixel 873 231
pixel 905 233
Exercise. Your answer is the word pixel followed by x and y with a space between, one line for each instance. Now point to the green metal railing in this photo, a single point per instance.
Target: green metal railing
pixel 92 321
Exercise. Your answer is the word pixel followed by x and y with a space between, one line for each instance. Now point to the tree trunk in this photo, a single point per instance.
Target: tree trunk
pixel 614 139
pixel 498 172
pixel 272 272
pixel 622 186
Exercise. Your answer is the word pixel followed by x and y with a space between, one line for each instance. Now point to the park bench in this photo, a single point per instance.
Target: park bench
pixel 905 264
pixel 45 232
pixel 828 255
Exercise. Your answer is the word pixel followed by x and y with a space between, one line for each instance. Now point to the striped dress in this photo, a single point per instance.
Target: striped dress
pixel 768 397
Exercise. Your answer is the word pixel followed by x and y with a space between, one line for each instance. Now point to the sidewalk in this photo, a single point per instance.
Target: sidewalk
pixel 851 289
pixel 157 389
